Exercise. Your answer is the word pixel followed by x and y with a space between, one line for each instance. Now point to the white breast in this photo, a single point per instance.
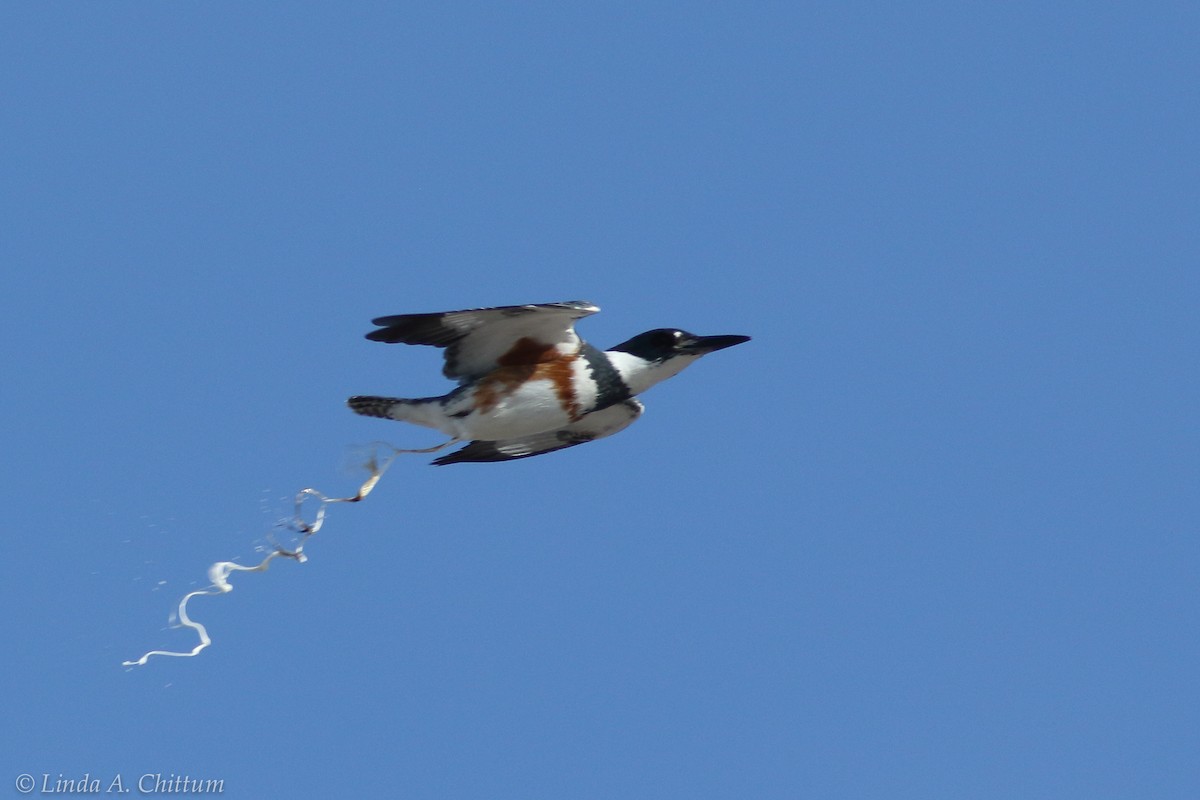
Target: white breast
pixel 531 407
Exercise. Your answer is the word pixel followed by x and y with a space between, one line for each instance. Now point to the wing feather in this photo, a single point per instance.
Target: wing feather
pixel 477 339
pixel 595 425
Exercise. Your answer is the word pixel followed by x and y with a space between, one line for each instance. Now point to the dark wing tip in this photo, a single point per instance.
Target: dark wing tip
pixel 414 329
pixel 490 452
pixel 473 452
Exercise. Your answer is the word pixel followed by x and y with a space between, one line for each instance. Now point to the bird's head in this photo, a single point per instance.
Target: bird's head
pixel 662 344
pixel 656 355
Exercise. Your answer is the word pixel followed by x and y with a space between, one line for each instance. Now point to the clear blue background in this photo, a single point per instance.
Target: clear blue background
pixel 932 534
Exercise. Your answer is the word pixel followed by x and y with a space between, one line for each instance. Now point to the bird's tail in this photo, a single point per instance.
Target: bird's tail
pixel 371 406
pixel 423 411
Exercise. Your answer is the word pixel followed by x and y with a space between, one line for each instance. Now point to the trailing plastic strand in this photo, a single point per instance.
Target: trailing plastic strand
pixel 219 573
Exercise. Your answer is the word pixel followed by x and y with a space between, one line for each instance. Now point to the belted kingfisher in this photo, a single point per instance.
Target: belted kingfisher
pixel 527 383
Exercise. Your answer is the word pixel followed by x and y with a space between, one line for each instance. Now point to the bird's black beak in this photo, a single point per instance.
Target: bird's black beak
pixel 710 344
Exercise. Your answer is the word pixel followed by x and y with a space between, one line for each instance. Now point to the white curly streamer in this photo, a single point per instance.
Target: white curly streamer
pixel 218 573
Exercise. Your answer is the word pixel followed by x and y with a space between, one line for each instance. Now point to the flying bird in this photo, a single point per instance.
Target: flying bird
pixel 527 384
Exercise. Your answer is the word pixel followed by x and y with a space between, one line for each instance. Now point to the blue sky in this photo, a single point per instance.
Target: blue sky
pixel 931 534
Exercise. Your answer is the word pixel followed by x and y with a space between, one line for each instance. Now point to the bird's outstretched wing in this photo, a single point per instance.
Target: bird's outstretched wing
pixel 481 339
pixel 595 425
